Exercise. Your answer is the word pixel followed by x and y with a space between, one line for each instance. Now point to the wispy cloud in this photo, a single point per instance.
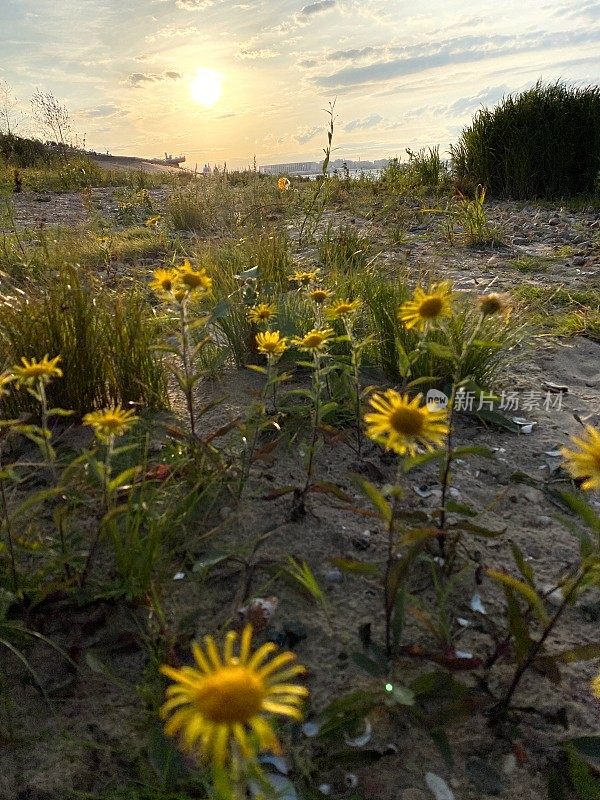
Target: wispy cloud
pixel 139 78
pixel 454 52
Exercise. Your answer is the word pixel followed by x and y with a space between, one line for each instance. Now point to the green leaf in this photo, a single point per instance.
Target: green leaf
pixel 369 665
pixel 374 495
pixel 524 568
pixel 354 567
pixel 257 368
pixel 496 418
pixel 423 458
pixel 479 530
pixel 301 572
pixel 460 508
pixel 585 512
pixel 517 625
pixel 520 587
pixel 439 350
pixel 585 652
pixel 122 478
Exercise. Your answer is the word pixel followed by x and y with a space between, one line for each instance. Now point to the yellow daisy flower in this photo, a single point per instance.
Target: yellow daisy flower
pixel 283 184
pixel 427 307
pixel 596 686
pixel 585 463
pixel 343 308
pixel 222 699
pixel 193 280
pixel 404 425
pixel 305 278
pixel 319 295
pixel 110 422
pixel 315 340
pixel 493 303
pixel 271 343
pixel 152 222
pixel 164 280
pixel 263 312
pixel 30 372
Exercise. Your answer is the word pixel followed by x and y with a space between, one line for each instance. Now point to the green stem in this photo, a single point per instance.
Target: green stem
pixel 9 536
pixel 504 704
pixel 185 357
pixel 313 441
pixel 388 600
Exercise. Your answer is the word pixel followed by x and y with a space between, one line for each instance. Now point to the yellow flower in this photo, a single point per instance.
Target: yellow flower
pixel 343 308
pixel 192 280
pixel 271 343
pixel 33 371
pixel 305 278
pixel 404 425
pixel 152 222
pixel 320 295
pixel 427 307
pixel 585 463
pixel 493 303
pixel 110 422
pixel 263 312
pixel 221 700
pixel 283 184
pixel 596 686
pixel 315 340
pixel 164 280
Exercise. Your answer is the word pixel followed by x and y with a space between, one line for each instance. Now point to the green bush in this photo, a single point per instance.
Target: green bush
pixel 544 142
pixel 105 339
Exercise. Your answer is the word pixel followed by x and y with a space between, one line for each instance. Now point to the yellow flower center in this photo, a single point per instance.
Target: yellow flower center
pixel 407 421
pixel 314 340
pixel 232 694
pixel 431 307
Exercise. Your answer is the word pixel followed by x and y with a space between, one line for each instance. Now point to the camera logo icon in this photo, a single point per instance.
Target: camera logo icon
pixel 436 400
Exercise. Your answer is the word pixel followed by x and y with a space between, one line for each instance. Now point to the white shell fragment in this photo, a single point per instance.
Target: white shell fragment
pixel 438 787
pixel 311 729
pixel 363 739
pixel 477 604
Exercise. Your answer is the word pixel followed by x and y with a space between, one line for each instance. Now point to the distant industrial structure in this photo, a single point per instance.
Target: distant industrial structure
pixel 314 167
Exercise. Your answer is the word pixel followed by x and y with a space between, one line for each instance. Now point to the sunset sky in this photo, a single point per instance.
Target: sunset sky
pixel 405 74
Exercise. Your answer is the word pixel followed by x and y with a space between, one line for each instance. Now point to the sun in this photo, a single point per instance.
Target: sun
pixel 206 87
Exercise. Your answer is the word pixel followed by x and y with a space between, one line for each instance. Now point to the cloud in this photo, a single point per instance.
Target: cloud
pixel 453 52
pixel 106 110
pixel 139 78
pixel 252 55
pixel 589 10
pixel 360 124
pixel 172 32
pixel 194 5
pixel 307 134
pixel 317 8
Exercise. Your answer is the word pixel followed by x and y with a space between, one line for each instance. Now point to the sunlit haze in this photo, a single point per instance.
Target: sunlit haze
pixel 224 80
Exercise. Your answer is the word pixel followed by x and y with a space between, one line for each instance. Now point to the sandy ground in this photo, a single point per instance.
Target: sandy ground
pixel 97 725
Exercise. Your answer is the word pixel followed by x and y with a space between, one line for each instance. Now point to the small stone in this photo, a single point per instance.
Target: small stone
pixel 509 764
pixel 224 512
pixel 334 576
pixel 578 261
pixel 519 240
pixel 543 520
pixel 438 787
pixel 362 541
pixel 554 221
pixel 484 777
